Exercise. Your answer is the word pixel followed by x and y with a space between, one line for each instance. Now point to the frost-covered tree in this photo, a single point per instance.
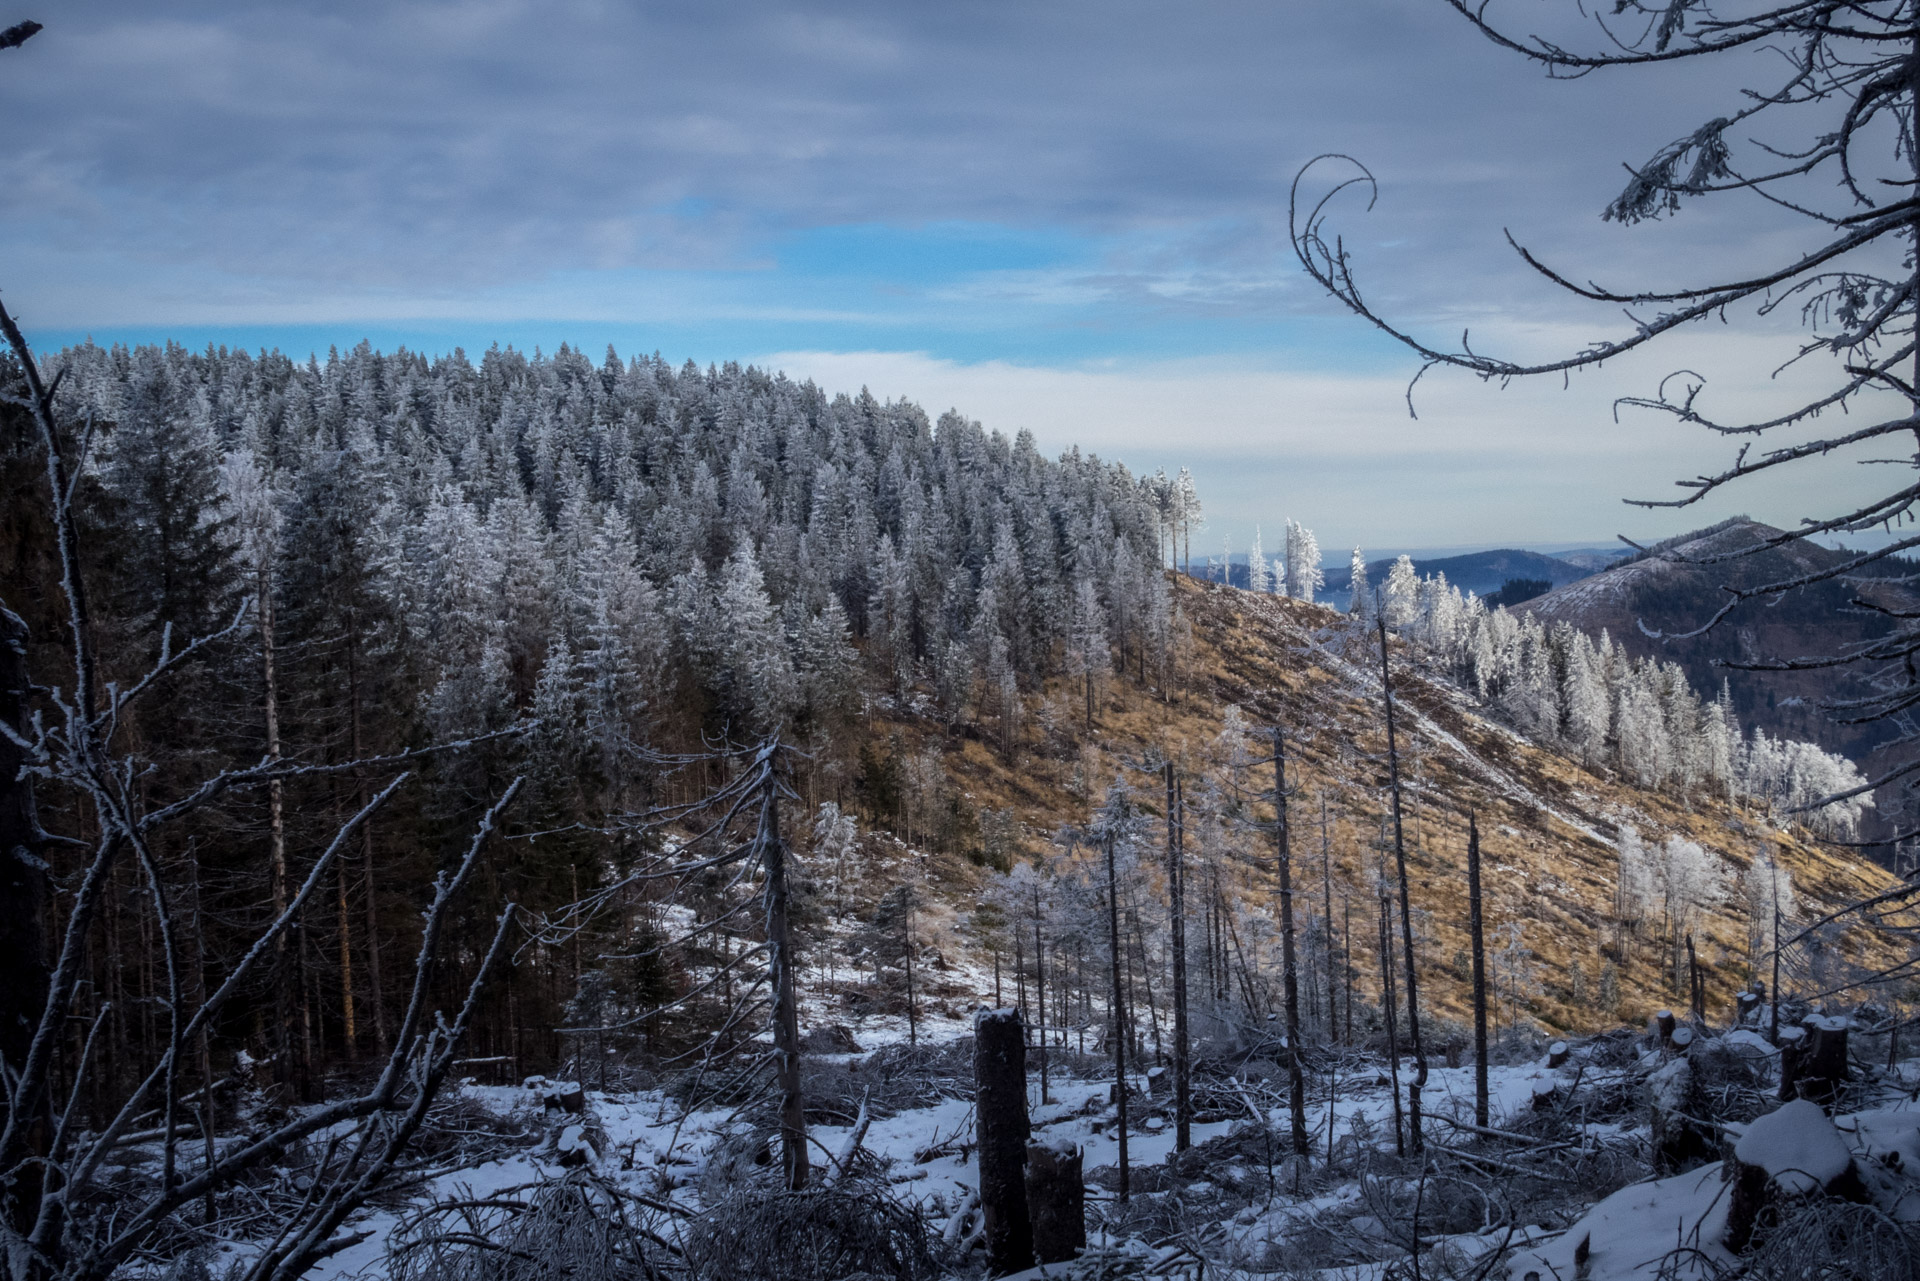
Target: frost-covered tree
pixel 1360 598
pixel 1400 593
pixel 1635 893
pixel 1767 894
pixel 1688 880
pixel 1303 562
pixel 1259 577
pixel 754 677
pixel 1088 657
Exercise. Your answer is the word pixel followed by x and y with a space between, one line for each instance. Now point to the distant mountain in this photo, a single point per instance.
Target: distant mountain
pixel 1481 573
pixel 1671 596
pixel 1594 558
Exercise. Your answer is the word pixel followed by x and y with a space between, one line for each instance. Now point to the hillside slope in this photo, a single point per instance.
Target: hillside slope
pixel 1547 823
pixel 1671 596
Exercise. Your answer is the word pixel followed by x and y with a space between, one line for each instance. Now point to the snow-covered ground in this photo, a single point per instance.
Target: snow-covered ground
pixel 1241 1204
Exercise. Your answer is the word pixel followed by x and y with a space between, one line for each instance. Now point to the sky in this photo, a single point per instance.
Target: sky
pixel 1068 217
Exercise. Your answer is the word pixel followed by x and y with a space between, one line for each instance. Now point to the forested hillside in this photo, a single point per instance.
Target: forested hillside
pixel 1650 604
pixel 612 562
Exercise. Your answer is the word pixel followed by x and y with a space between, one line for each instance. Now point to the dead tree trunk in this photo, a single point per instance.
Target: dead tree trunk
pixel 1000 1132
pixel 1406 915
pixel 1326 890
pixel 1476 926
pixel 1040 992
pixel 1056 1201
pixel 1119 1012
pixel 906 953
pixel 786 1021
pixel 1289 979
pixel 1177 897
pixel 1696 989
pixel 1813 1065
pixel 1389 1003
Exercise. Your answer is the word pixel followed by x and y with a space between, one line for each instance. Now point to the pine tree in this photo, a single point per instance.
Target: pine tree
pixel 1400 594
pixel 1303 562
pixel 1360 601
pixel 1088 659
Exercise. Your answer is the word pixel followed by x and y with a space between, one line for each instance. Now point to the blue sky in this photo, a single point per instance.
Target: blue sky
pixel 1066 217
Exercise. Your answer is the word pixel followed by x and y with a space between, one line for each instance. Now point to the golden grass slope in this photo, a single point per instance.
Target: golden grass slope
pixel 1547 823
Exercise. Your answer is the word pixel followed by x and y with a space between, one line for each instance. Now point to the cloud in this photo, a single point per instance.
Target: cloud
pixel 1532 463
pixel 1075 211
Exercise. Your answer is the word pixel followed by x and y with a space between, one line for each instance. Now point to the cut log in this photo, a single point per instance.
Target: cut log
pixel 1813 1065
pixel 1001 1130
pixel 1056 1200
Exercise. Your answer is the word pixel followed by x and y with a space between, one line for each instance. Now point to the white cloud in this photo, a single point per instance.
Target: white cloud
pixel 1530 463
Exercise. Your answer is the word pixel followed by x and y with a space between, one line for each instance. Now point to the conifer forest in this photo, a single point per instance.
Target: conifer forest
pixel 518 815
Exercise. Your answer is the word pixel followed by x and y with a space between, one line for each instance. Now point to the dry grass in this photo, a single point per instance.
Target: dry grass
pixel 1293 664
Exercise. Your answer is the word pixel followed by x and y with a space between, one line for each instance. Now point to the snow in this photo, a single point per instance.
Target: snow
pixel 1797 1146
pixel 1629 1234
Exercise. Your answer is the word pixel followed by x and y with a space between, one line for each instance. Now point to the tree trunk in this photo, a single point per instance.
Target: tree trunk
pixel 375 996
pixel 349 1030
pixel 1289 980
pixel 1001 1132
pixel 1326 889
pixel 1814 1065
pixel 1389 1003
pixel 1119 1012
pixel 1477 928
pixel 786 1022
pixel 906 952
pixel 1056 1201
pixel 1406 916
pixel 1040 993
pixel 1695 986
pixel 23 921
pixel 1177 897
pixel 283 966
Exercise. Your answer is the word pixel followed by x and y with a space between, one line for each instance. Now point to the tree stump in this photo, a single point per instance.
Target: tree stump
pixel 1680 1142
pixel 1056 1200
pixel 1001 1131
pixel 1746 1007
pixel 1558 1054
pixel 1660 1030
pixel 1814 1065
pixel 1788 1154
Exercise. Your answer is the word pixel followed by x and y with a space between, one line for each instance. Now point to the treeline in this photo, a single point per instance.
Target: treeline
pixel 577 570
pixel 1639 716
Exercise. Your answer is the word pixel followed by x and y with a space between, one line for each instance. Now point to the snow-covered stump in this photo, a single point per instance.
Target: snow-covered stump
pixel 1679 1141
pixel 1746 1006
pixel 1056 1200
pixel 1660 1030
pixel 1813 1064
pixel 1557 1055
pixel 1001 1131
pixel 1787 1155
